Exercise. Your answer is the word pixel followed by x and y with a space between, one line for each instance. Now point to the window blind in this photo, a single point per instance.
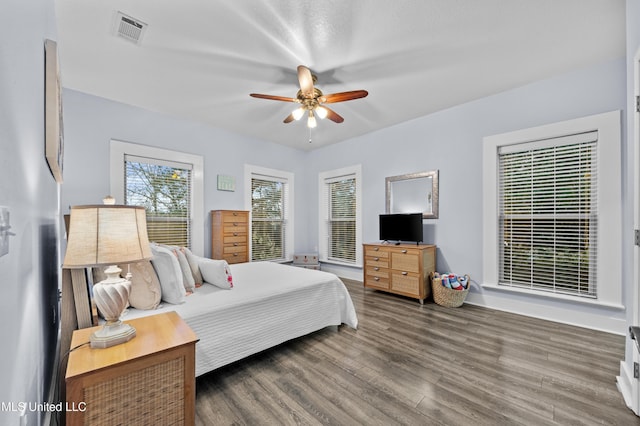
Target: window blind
pixel 164 189
pixel 548 215
pixel 342 219
pixel 268 224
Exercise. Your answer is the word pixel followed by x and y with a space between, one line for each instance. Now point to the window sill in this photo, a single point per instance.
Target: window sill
pixel 552 296
pixel 337 263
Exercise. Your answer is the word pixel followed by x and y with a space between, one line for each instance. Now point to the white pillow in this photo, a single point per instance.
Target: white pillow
pixel 169 273
pixel 187 277
pixel 146 291
pixel 216 272
pixel 193 264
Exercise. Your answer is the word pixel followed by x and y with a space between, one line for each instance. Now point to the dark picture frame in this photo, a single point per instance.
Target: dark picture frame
pixel 54 140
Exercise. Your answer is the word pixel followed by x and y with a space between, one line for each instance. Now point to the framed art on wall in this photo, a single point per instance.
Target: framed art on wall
pixel 54 141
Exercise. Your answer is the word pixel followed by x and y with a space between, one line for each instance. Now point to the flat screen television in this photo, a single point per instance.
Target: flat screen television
pixel 401 227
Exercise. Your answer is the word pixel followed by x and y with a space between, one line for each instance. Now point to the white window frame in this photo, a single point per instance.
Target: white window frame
pixel 249 172
pixel 118 150
pixel 609 251
pixel 323 213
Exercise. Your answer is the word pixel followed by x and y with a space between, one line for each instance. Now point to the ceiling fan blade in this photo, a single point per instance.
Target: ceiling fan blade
pixel 333 116
pixel 306 81
pixel 289 119
pixel 343 96
pixel 273 97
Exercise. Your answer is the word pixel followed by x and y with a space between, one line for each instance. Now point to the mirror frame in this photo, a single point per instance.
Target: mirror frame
pixel 433 214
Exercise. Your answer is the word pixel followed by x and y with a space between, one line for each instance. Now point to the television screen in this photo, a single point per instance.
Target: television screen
pixel 401 227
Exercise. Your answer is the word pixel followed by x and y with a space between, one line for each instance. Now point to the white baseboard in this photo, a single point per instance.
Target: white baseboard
pixel 348 272
pixel 557 313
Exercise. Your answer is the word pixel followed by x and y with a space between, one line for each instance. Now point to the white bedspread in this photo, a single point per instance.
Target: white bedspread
pixel 269 304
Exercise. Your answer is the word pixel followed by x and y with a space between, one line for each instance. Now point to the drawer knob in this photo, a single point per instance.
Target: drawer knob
pixel 404 272
pixel 235 254
pixel 376 248
pixel 235 234
pixel 376 269
pixel 235 213
pixel 235 244
pixel 376 279
pixel 376 259
pixel 404 251
pixel 235 223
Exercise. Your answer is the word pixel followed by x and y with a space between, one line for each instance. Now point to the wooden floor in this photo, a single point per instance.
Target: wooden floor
pixel 424 365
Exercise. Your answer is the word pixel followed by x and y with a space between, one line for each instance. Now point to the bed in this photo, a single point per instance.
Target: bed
pixel 269 304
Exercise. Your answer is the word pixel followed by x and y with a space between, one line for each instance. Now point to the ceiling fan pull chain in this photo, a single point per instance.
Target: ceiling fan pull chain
pixel 309 134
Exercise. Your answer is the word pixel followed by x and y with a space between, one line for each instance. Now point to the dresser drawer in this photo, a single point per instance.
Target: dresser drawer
pixel 235 257
pixel 375 251
pixel 235 228
pixel 377 281
pixel 235 238
pixel 406 260
pixel 406 283
pixel 379 262
pixel 235 216
pixel 234 248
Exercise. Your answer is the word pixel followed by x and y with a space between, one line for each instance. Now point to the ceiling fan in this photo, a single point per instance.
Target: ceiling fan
pixel 312 100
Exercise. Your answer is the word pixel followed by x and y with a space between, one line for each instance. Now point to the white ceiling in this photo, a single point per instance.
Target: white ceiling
pixel 200 59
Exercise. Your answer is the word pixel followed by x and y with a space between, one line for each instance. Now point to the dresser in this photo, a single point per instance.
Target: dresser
pixel 402 269
pixel 230 235
pixel 147 380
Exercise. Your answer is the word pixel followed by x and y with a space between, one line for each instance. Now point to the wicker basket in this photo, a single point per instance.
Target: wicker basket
pixel 448 297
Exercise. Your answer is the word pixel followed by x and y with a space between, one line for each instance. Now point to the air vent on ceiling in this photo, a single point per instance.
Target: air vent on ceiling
pixel 129 28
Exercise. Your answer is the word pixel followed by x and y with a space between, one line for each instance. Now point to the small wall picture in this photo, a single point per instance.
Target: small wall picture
pixel 54 140
pixel 226 183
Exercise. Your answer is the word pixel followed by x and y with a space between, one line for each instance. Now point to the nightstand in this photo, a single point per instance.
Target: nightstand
pixel 147 380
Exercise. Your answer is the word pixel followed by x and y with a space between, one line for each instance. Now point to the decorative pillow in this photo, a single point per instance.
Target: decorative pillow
pixel 145 286
pixel 169 274
pixel 187 276
pixel 216 272
pixel 193 264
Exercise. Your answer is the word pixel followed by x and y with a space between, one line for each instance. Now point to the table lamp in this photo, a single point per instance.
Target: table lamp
pixel 108 235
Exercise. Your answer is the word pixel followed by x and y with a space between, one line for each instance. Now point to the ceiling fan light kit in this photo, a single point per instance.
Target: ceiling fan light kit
pixel 311 99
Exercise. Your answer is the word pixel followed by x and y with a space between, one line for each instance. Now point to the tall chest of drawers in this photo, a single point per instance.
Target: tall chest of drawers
pixel 230 235
pixel 402 269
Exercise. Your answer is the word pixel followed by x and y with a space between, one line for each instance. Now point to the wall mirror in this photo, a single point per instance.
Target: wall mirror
pixel 412 193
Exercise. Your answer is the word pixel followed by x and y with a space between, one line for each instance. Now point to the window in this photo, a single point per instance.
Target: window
pixel 270 204
pixel 551 213
pixel 168 185
pixel 340 234
pixel 164 190
pixel 548 215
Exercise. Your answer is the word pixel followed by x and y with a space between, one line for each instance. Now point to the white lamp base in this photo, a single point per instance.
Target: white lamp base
pixel 111 296
pixel 112 334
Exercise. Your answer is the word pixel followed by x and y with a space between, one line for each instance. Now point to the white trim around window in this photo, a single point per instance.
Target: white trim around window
pixel 324 178
pixel 118 150
pixel 609 190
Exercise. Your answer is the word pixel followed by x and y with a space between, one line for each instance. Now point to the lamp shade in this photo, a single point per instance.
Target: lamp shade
pixel 101 235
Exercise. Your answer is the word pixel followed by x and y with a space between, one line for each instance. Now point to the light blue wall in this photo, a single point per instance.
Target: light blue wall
pixel 91 122
pixel 451 142
pixel 29 273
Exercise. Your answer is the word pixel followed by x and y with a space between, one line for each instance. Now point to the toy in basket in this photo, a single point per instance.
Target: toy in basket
pixel 449 290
